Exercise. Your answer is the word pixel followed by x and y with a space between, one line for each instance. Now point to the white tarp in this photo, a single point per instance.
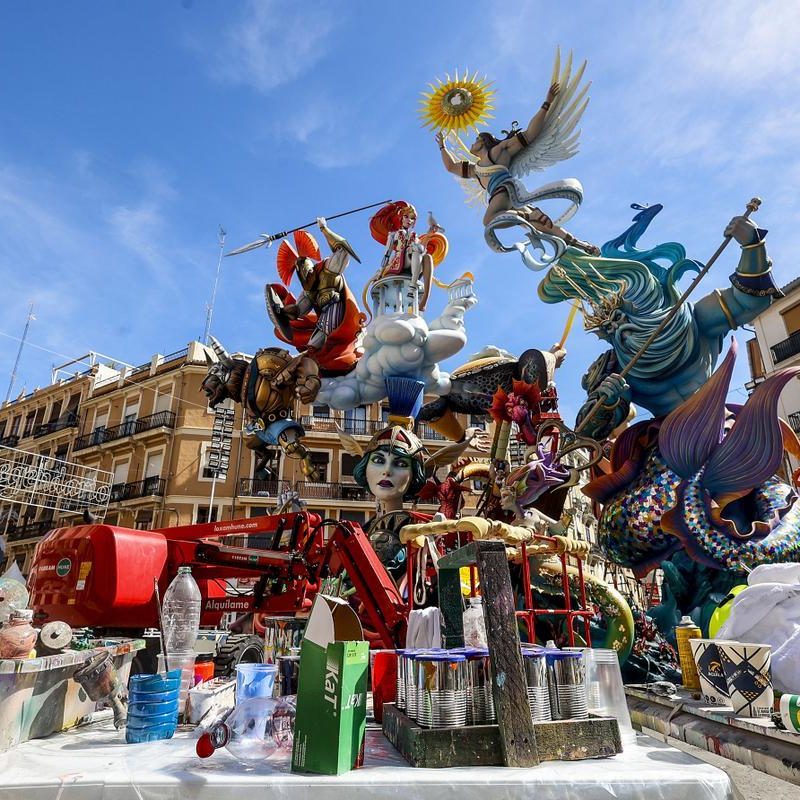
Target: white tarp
pixel 95 764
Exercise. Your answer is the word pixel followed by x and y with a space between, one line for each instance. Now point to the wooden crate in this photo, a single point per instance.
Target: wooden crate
pixel 480 745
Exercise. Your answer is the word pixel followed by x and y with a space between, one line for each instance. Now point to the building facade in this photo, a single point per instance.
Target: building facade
pixel 776 345
pixel 150 427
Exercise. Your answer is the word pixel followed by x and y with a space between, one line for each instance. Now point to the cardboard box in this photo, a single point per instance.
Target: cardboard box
pixel 332 691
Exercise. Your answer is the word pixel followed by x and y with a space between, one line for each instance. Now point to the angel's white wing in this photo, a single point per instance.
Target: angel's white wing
pixel 558 139
pixel 475 193
pixel 350 444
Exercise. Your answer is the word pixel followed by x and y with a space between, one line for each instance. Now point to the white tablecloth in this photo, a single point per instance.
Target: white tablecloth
pixel 94 763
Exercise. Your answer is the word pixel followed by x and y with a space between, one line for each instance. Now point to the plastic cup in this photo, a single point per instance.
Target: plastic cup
pixel 185 663
pixel 605 691
pixel 255 680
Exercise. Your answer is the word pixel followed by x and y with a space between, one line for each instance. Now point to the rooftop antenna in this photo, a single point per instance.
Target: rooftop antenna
pixel 19 352
pixel 210 306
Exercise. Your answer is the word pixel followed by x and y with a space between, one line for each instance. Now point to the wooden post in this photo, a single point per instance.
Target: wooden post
pixel 509 687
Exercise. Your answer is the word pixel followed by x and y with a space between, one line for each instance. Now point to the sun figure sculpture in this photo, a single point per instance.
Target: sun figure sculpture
pixel 458 103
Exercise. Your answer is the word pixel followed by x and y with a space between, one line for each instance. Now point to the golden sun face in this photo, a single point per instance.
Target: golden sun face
pixel 457 104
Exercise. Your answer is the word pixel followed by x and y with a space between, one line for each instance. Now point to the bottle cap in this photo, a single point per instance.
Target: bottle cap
pixel 183 570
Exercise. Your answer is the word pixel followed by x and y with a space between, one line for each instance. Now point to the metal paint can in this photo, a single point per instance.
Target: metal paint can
pixel 684 631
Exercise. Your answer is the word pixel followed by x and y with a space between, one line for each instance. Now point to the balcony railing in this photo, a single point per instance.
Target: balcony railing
pixel 426 432
pixel 66 421
pixel 794 421
pixel 149 487
pixel 787 348
pixel 268 487
pixel 357 427
pixel 31 530
pixel 252 487
pixel 163 419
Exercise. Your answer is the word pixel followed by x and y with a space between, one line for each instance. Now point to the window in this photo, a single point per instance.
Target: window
pixel 152 471
pixel 321 462
pixel 477 421
pixel 754 358
pixel 385 415
pixel 321 410
pixel 355 420
pixel 15 423
pixel 144 519
pixel 163 399
pixel 202 515
pixel 129 416
pixel 348 465
pixel 29 423
pixel 353 516
pixel 791 319
pixel 55 411
pixel 121 472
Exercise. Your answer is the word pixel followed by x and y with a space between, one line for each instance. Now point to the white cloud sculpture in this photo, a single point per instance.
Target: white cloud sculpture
pixel 402 344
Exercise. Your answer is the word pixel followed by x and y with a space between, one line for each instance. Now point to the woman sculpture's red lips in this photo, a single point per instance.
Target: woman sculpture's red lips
pixel 386 484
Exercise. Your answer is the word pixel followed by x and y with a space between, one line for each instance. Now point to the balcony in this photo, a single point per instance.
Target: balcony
pixel 270 488
pixel 163 419
pixel 31 530
pixel 426 432
pixel 787 348
pixel 149 487
pixel 9 441
pixel 62 423
pixel 357 427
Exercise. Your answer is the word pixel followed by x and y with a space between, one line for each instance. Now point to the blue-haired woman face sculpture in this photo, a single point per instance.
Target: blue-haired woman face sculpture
pixel 392 467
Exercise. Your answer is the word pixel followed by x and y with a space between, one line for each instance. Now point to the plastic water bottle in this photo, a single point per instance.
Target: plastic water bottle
pixel 181 611
pixel 255 729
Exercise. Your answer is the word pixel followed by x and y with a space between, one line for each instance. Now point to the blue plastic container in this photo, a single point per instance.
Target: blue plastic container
pixel 255 680
pixel 152 707
pixel 153 697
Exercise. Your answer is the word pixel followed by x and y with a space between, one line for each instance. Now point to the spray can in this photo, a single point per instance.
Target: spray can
pixel 684 631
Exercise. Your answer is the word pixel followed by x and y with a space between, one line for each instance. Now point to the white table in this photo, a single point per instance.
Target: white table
pixel 94 763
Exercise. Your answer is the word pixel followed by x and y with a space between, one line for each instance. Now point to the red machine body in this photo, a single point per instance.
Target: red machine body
pixel 102 576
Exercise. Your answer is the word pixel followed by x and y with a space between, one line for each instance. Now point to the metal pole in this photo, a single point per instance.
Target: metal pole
pixel 19 352
pixel 211 499
pixel 210 307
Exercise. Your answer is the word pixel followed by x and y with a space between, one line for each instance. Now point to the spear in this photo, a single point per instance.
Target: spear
pixel 752 206
pixel 267 239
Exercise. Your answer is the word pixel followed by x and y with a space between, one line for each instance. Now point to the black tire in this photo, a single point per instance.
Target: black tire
pixel 236 649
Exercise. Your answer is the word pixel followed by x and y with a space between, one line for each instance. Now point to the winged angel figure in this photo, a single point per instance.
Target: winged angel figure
pixel 491 170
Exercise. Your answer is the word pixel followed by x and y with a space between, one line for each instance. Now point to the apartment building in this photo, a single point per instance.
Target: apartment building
pixel 149 426
pixel 776 345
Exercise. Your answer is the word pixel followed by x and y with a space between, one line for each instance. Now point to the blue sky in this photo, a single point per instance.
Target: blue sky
pixel 129 131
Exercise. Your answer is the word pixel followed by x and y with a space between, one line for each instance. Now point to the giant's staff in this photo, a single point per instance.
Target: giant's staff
pixel 267 239
pixel 752 206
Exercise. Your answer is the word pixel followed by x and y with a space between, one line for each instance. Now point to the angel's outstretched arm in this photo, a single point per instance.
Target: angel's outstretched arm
pixel 462 169
pixel 519 142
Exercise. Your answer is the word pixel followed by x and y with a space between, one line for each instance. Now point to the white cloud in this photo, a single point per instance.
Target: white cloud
pixel 269 44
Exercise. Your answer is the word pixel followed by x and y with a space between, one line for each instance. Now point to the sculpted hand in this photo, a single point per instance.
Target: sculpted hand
pixel 743 230
pixel 612 390
pixel 552 92
pixel 322 222
pixel 560 353
pixel 478 439
pixel 440 138
pixel 308 388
